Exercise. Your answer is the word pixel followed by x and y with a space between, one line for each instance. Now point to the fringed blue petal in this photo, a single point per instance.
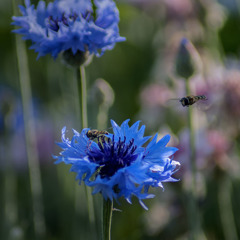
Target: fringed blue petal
pixel 118 165
pixel 68 24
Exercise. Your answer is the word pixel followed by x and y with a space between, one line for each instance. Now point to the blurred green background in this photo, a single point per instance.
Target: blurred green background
pixel 140 73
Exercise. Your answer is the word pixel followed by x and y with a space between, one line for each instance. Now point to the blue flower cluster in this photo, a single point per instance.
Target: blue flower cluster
pixel 69 24
pixel 119 164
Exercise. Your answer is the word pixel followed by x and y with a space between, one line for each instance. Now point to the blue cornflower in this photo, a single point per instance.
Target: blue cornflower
pixel 65 25
pixel 119 164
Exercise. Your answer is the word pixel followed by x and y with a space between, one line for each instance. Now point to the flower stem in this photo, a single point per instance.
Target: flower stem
pixel 9 184
pixel 107 219
pixel 94 10
pixel 191 141
pixel 226 209
pixel 30 136
pixel 192 205
pixel 82 93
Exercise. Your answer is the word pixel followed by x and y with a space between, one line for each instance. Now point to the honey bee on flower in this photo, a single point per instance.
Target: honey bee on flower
pixel 94 133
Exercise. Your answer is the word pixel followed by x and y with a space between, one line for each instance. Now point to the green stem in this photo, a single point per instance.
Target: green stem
pixel 30 136
pixel 9 185
pixel 102 117
pixel 107 219
pixel 77 99
pixel 193 211
pixel 82 93
pixel 84 97
pixel 94 10
pixel 226 210
pixel 191 141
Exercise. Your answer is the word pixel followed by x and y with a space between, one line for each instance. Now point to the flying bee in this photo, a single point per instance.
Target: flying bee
pixel 190 100
pixel 94 133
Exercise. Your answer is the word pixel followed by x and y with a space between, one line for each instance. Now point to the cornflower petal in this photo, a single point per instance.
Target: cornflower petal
pixel 117 165
pixel 69 24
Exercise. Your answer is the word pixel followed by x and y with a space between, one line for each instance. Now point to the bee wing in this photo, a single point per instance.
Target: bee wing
pixel 174 99
pixel 202 105
pixel 173 102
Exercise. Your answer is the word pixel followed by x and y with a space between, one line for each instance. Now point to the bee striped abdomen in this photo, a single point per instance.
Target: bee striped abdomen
pixel 94 133
pixel 190 100
pixel 201 97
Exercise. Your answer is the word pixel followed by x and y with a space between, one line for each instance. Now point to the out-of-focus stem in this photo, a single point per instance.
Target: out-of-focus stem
pixel 107 218
pixel 30 136
pixel 102 117
pixel 82 92
pixel 107 99
pixel 226 211
pixel 192 205
pixel 10 187
pixel 10 197
pixel 191 142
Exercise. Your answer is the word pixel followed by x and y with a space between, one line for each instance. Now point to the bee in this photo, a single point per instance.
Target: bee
pixel 190 100
pixel 94 133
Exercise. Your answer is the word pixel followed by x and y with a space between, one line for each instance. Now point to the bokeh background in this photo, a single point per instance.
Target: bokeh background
pixel 135 80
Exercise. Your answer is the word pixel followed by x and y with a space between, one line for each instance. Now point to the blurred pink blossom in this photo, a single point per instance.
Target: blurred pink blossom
pixel 179 8
pixel 212 149
pixel 232 93
pixel 155 95
pixel 218 141
pixel 203 149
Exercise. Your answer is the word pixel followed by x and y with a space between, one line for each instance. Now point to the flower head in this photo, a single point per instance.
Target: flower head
pixel 69 24
pixel 119 164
